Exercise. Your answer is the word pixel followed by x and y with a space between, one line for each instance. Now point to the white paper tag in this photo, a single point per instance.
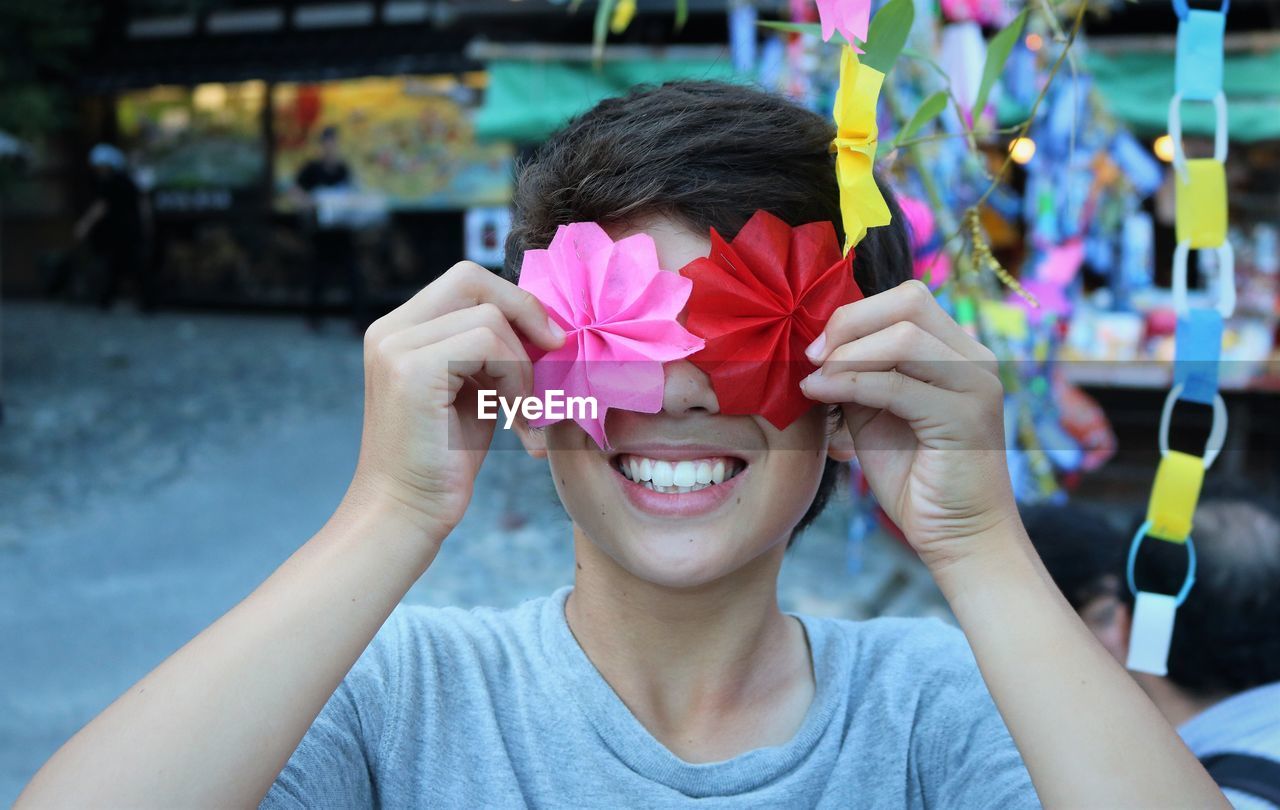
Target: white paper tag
pixel 1152 631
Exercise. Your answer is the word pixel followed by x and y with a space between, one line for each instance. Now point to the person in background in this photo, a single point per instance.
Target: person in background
pixel 1223 687
pixel 333 245
pixel 114 225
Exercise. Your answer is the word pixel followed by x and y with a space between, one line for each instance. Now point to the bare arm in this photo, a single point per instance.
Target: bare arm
pixel 213 725
pixel 1088 734
pixel 924 408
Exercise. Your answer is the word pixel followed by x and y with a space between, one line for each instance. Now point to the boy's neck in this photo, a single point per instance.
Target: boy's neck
pixel 711 672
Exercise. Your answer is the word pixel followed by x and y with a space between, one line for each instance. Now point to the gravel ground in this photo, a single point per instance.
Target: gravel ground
pixel 116 405
pixel 154 470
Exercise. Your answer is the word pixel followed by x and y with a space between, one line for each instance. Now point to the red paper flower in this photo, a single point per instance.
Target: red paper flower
pixel 759 301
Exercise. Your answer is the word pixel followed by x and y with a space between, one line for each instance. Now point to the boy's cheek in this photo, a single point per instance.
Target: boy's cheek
pixel 813 432
pixel 581 472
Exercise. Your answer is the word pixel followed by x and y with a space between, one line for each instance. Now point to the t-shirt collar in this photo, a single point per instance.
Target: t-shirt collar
pixel 619 730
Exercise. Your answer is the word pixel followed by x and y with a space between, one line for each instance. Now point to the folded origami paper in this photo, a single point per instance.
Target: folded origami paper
pixel 618 309
pixel 849 17
pixel 861 204
pixel 759 301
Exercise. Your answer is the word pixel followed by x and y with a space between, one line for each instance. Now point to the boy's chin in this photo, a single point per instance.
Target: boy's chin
pixel 684 562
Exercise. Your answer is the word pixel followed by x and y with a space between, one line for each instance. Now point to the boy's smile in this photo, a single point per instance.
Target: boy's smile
pixel 688 496
pixel 678 479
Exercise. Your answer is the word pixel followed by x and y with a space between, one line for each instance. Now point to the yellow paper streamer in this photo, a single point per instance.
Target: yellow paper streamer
pixel 861 204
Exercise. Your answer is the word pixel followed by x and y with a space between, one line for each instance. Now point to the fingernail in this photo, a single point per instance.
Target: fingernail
pixel 555 329
pixel 816 347
pixel 815 375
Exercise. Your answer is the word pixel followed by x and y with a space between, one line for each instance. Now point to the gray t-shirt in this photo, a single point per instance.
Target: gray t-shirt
pixel 1245 723
pixel 484 708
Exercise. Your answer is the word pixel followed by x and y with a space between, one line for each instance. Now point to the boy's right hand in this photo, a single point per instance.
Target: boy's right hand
pixel 424 362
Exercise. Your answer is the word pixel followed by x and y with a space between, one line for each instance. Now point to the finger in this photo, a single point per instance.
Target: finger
pixel 911 301
pixel 463 356
pixel 934 414
pixel 913 351
pixel 475 360
pixel 451 323
pixel 481 353
pixel 905 397
pixel 467 284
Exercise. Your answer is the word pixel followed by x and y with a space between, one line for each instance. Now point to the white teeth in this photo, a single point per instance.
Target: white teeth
pixel 686 474
pixel 663 474
pixel 677 476
pixel 673 490
pixel 704 473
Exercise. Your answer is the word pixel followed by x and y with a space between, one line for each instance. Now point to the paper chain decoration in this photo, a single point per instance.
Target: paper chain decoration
pixel 758 301
pixel 862 205
pixel 1201 224
pixel 618 310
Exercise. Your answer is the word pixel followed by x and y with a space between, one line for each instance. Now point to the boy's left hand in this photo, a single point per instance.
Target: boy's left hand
pixel 924 405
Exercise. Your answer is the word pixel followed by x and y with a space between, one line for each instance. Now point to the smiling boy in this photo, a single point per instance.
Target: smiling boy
pixel 667 676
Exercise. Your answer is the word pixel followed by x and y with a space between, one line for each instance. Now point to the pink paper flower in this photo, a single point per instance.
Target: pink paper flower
pixel 618 309
pixel 849 17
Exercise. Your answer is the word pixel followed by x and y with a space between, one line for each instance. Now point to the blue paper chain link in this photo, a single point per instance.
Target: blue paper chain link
pixel 1190 579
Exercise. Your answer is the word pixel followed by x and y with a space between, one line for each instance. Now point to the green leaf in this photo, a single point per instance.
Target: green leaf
pixel 912 53
pixel 887 34
pixel 600 31
pixel 929 109
pixel 997 55
pixel 682 14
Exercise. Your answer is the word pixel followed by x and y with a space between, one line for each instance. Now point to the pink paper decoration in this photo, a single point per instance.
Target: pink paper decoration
pixel 618 309
pixel 931 264
pixel 849 17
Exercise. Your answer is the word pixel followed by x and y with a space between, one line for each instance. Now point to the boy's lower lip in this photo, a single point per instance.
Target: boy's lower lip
pixel 678 504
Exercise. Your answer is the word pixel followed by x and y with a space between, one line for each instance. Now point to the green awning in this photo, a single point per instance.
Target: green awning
pixel 1137 88
pixel 528 100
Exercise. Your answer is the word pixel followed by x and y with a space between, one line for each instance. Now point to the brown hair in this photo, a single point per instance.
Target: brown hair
pixel 708 155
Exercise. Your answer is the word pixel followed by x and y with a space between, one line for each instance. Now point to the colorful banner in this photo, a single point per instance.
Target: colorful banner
pixel 410 139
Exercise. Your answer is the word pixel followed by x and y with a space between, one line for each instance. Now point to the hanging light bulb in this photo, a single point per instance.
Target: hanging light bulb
pixel 1022 150
pixel 1034 42
pixel 1163 147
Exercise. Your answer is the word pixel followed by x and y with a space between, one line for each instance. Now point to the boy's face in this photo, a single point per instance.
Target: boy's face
pixel 762 479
